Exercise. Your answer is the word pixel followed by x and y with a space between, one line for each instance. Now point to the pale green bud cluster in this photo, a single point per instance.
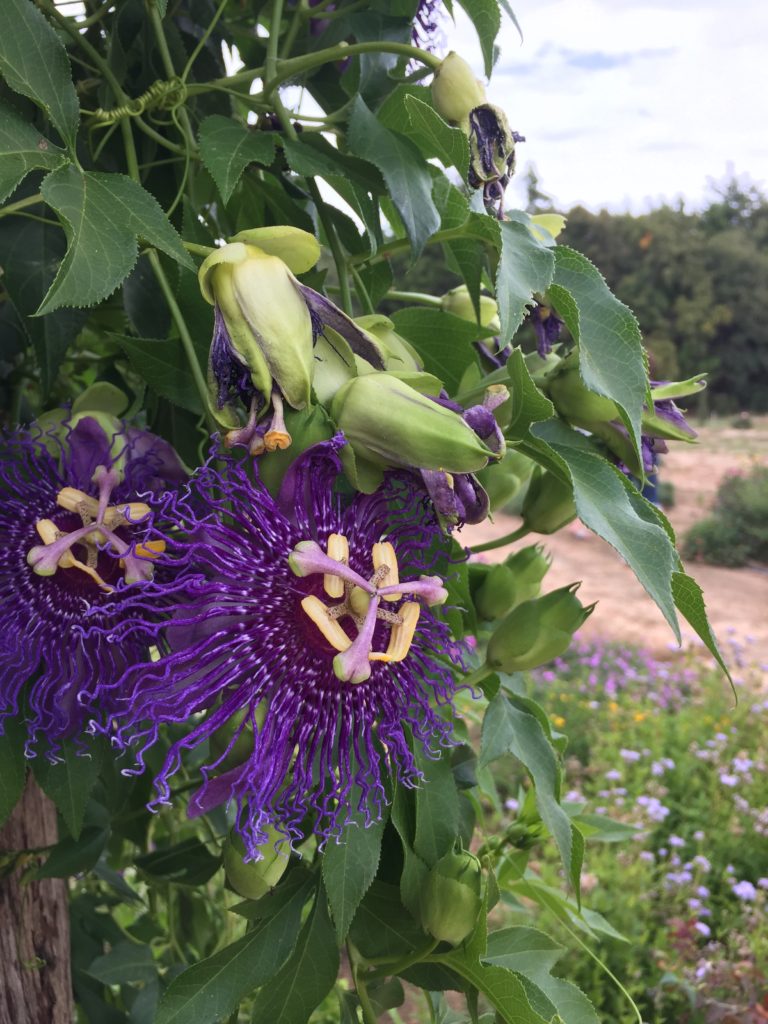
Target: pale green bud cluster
pixel 452 898
pixel 459 302
pixel 504 586
pixel 503 480
pixel 548 503
pixel 387 422
pixel 537 631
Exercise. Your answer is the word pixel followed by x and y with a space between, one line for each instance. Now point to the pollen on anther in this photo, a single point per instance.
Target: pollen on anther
pixel 383 554
pixel 337 548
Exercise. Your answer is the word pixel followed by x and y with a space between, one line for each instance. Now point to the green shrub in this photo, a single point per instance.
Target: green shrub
pixel 736 532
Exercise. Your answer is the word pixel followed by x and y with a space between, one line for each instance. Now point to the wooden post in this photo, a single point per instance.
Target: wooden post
pixel 35 982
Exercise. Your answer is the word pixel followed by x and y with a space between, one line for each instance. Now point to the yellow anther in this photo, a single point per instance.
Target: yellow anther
pixel 151 549
pixel 47 530
pixel 401 637
pixel 337 549
pixel 277 439
pixel 384 554
pixel 73 500
pixel 330 628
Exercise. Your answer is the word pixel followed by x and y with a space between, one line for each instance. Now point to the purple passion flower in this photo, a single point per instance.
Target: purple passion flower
pixel 71 529
pixel 427 31
pixel 301 628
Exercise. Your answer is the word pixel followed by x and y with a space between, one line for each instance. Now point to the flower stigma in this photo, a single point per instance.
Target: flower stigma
pixel 361 601
pixel 99 523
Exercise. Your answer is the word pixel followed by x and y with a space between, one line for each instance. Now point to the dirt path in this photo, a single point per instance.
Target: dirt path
pixel 737 599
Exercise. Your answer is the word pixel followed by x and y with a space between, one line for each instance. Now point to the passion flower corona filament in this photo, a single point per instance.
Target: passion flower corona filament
pixel 302 628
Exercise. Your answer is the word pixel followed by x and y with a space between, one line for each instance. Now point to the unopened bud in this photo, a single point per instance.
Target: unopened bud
pixel 548 503
pixel 388 423
pixel 455 90
pixel 497 594
pixel 537 631
pixel 399 355
pixel 573 399
pixel 452 898
pixel 502 480
pixel 459 302
pixel 529 565
pixel 254 878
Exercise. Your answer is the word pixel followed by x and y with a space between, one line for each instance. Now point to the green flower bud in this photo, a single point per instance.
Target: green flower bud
pixel 234 739
pixel 452 897
pixel 548 503
pixel 455 90
pixel 529 566
pixel 459 302
pixel 388 423
pixel 265 314
pixel 399 354
pixel 502 480
pixel 573 400
pixel 497 594
pixel 253 879
pixel 537 631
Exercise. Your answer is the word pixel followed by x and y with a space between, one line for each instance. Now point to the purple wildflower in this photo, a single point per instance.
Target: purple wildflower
pixel 677 841
pixel 303 624
pixel 729 780
pixel 744 891
pixel 69 526
pixel 703 929
pixel 629 755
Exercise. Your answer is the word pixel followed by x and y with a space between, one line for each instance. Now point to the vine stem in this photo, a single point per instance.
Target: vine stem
pixel 308 61
pixel 500 542
pixel 165 55
pixel 474 678
pixel 408 961
pixel 181 326
pixel 419 297
pixel 22 204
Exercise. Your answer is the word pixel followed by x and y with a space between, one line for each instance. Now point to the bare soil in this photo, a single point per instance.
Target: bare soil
pixel 737 599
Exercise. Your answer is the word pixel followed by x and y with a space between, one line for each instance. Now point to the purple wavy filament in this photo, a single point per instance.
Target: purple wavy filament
pixel 70 531
pixel 324 693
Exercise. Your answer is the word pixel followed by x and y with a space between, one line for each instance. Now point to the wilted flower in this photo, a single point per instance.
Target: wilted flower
pixel 492 153
pixel 305 623
pixel 72 509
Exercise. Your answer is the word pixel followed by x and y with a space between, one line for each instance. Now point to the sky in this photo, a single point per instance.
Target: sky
pixel 628 103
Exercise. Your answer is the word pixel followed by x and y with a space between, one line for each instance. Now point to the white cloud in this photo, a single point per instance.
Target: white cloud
pixel 625 102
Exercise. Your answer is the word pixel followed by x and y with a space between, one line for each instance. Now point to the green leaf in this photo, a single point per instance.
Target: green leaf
pixel 443 341
pixel 125 962
pixel 102 216
pixel 73 856
pixel 226 149
pixel 610 344
pixel 509 729
pixel 405 173
pixel 33 62
pixel 689 600
pixel 351 177
pixel 29 251
pixel 212 989
pixel 436 138
pixel 383 927
pixel 502 988
pixel 532 954
pixel 528 404
pixel 164 366
pixel 13 766
pixel 437 809
pixel 23 149
pixel 307 976
pixel 486 17
pixel 186 863
pixel 69 782
pixel 603 504
pixel 349 867
pixel 526 266
pixel 415 871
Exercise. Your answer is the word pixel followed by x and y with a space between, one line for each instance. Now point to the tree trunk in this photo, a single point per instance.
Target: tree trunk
pixel 35 984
